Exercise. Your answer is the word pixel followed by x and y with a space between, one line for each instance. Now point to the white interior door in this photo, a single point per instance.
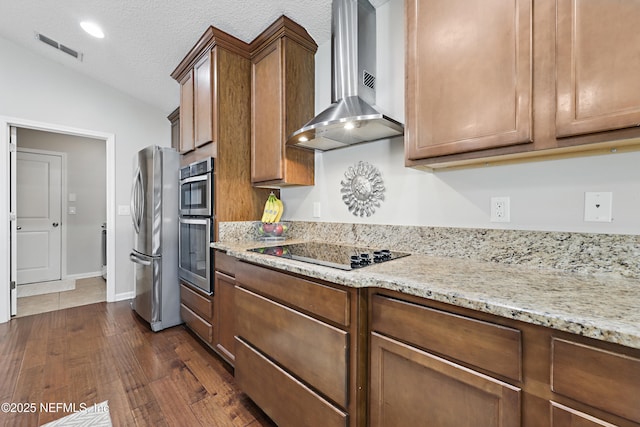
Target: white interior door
pixel 39 210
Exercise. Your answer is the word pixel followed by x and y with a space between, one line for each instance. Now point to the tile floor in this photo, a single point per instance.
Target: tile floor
pixel 87 291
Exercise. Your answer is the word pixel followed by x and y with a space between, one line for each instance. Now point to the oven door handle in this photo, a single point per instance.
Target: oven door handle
pixel 196 178
pixel 135 258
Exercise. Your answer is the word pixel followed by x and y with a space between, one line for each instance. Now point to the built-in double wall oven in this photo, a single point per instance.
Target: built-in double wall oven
pixel 196 232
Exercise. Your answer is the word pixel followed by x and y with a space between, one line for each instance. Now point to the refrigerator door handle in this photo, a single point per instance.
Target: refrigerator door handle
pixel 136 201
pixel 135 258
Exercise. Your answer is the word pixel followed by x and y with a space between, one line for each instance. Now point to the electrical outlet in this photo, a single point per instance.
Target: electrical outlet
pixel 316 209
pixel 598 206
pixel 500 209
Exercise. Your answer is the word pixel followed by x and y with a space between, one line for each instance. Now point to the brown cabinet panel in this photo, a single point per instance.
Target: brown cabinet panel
pixel 267 161
pixel 225 263
pixel 205 99
pixel 598 64
pixel 324 301
pixel 197 324
pixel 224 332
pixel 197 302
pixel 488 346
pixel 563 416
pixel 410 387
pixel 599 378
pixel 469 79
pixel 187 142
pixel 285 399
pixel 282 101
pixel 314 351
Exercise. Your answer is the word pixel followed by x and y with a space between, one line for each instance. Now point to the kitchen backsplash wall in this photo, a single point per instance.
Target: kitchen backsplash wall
pixel 587 253
pixel 545 196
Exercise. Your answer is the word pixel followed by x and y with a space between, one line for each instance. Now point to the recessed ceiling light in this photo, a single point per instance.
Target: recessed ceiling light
pixel 93 29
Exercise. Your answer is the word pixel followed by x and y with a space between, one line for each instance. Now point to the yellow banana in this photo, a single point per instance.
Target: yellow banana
pixel 272 209
pixel 280 210
pixel 266 213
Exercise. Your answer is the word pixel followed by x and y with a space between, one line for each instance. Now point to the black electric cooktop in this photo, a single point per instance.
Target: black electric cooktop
pixel 344 257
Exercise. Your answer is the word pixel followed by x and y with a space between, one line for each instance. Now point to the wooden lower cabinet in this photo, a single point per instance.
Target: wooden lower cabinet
pixel 286 399
pixel 196 310
pixel 224 295
pixel 298 348
pixel 435 364
pixel 410 387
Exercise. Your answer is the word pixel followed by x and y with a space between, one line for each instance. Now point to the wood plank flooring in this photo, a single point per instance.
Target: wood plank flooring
pixel 104 351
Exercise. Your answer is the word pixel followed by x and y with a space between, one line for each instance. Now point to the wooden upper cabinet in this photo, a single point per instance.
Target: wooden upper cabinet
pixel 186 113
pixel 174 118
pixel 205 121
pixel 199 77
pixel 468 76
pixel 282 101
pixel 598 64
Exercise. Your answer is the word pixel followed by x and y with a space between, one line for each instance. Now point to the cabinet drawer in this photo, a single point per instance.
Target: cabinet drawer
pixel 484 345
pixel 291 402
pixel 312 350
pixel 225 263
pixel 321 300
pixel 599 378
pixel 196 302
pixel 196 323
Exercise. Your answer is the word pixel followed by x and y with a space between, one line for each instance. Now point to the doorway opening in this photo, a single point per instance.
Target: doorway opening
pixel 61 212
pixel 83 246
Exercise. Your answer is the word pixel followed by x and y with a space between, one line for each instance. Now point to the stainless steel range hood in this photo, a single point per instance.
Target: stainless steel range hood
pixel 350 119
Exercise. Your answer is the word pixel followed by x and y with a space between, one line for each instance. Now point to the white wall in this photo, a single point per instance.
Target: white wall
pixel 546 195
pixel 33 88
pixel 86 178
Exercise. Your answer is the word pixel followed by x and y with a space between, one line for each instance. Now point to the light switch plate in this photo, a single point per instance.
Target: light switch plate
pixel 598 206
pixel 72 210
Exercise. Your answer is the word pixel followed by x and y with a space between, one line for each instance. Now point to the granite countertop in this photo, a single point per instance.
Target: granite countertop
pixel 600 306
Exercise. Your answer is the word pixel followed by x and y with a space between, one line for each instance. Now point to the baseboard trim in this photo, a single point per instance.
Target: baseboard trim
pixel 84 275
pixel 124 296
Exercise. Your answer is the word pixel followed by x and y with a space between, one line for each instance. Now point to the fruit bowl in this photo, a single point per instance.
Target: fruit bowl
pixel 272 230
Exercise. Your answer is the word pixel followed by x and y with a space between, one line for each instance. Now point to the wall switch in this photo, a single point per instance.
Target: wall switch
pixel 72 210
pixel 598 206
pixel 124 210
pixel 72 197
pixel 316 209
pixel 500 209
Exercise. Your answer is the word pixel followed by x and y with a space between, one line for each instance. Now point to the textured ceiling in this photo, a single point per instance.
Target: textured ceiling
pixel 146 39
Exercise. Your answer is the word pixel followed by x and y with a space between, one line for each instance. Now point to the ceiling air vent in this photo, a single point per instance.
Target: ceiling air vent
pixel 59 46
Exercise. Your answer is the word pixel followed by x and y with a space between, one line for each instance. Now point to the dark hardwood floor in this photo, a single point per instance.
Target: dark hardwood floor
pixel 104 351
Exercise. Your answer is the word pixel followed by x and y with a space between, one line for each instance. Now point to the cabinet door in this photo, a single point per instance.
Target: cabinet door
pixel 186 113
pixel 410 387
pixel 468 67
pixel 266 136
pixel 598 64
pixel 205 111
pixel 563 416
pixel 224 312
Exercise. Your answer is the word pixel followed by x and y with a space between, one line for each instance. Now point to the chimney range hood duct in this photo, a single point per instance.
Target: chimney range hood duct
pixel 350 119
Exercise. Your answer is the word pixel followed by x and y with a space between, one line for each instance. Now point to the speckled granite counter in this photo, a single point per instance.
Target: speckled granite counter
pixel 604 307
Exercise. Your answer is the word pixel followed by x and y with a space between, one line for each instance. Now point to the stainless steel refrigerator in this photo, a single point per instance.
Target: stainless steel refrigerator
pixel 154 212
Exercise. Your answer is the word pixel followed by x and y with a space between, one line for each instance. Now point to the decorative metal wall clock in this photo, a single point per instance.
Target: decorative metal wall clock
pixel 362 189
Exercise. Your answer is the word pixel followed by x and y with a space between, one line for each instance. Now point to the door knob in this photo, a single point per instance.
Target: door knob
pixel 18 228
pixel 55 224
